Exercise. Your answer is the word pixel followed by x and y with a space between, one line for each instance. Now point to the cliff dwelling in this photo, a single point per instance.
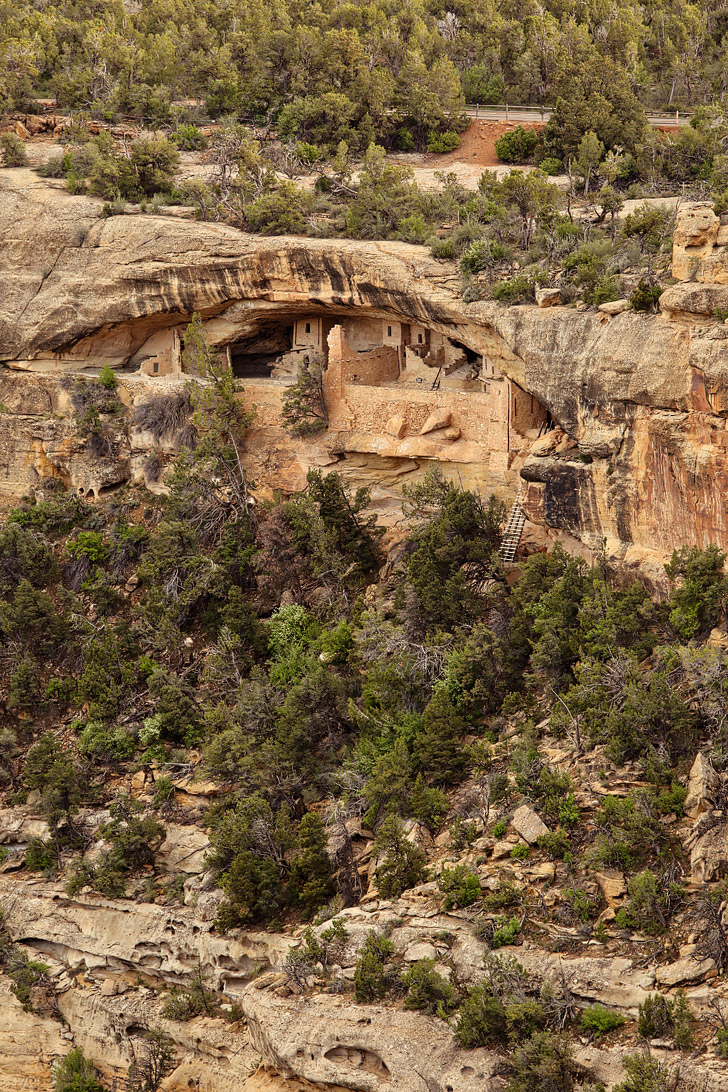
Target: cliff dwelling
pixel 414 375
pixel 392 388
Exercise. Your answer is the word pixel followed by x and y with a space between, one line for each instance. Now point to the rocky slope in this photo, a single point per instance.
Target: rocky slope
pixel 112 962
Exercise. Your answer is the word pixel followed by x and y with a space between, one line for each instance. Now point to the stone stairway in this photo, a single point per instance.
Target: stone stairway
pixel 514 530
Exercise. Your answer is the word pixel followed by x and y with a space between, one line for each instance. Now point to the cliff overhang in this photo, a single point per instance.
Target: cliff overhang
pixel 639 457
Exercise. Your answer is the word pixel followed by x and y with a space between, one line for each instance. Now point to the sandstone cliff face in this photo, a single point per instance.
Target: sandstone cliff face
pixel 640 400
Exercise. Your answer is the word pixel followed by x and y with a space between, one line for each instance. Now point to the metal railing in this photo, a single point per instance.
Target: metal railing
pixel 506 112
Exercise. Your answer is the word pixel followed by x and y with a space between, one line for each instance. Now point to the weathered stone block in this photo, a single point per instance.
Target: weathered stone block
pixel 440 418
pixel 612 886
pixel 703 786
pixel 396 426
pixel 548 297
pixel 528 824
pixel 614 307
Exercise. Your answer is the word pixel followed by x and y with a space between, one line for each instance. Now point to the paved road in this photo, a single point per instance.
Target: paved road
pixel 535 113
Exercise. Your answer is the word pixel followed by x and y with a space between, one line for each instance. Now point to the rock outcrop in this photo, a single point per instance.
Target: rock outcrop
pixel 641 401
pixel 111 963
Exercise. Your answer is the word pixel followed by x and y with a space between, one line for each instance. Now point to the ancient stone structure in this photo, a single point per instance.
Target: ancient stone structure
pixel 638 456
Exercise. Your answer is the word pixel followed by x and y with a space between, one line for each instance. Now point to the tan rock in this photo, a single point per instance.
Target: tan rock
pixel 331 1043
pixel 422 950
pixel 612 886
pixel 684 970
pixel 703 787
pixel 548 297
pixel 502 849
pixel 708 853
pixel 614 307
pixel 695 235
pixel 396 426
pixel 543 871
pixel 34 124
pixel 110 935
pixel 440 418
pixel 28 1046
pixel 610 980
pixel 17 827
pixel 528 824
pixel 184 849
pixel 546 444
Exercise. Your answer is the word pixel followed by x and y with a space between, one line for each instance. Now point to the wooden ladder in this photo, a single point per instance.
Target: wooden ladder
pixel 514 529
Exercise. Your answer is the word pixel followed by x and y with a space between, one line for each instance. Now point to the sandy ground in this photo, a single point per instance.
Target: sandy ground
pixel 475 154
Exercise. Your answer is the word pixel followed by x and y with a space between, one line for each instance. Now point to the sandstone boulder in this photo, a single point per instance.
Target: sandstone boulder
pixel 548 297
pixel 528 824
pixel 396 426
pixel 421 950
pixel 612 886
pixel 696 232
pixel 183 850
pixel 689 968
pixel 17 827
pixel 703 787
pixel 614 307
pixel 613 980
pixel 502 849
pixel 439 418
pixel 708 852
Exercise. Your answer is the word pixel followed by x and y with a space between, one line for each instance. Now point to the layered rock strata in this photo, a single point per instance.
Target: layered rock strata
pixel 112 961
pixel 639 455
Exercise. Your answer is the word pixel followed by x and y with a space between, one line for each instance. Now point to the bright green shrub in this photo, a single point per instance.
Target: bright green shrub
pixel 461 886
pixel 516 146
pixel 428 991
pixel 598 1020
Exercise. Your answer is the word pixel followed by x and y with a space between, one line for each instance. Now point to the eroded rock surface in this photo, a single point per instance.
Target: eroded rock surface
pixel 641 400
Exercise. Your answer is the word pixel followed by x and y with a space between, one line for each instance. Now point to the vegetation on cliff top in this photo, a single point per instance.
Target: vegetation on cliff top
pixel 368 71
pixel 327 91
